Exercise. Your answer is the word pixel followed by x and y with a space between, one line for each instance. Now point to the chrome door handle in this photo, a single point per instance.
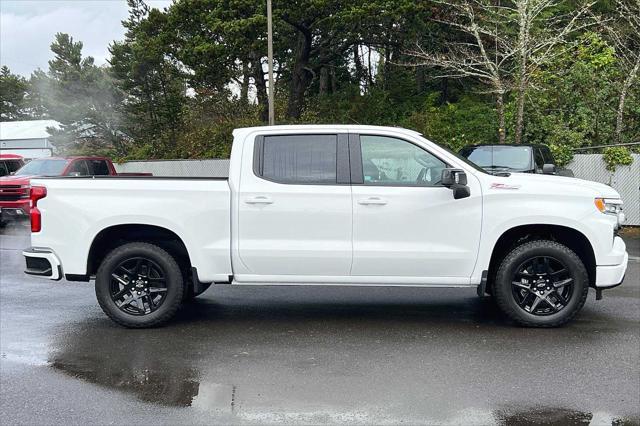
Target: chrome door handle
pixel 260 199
pixel 372 201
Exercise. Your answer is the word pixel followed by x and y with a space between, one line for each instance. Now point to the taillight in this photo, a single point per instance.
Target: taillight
pixel 36 193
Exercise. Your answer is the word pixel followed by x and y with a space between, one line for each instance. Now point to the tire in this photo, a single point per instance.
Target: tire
pixel 189 294
pixel 159 285
pixel 541 283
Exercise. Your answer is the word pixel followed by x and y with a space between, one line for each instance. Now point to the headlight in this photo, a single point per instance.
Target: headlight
pixel 612 206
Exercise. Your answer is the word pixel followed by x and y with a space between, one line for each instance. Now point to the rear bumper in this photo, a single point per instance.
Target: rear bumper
pixel 42 262
pixel 14 211
pixel 608 276
pixel 23 205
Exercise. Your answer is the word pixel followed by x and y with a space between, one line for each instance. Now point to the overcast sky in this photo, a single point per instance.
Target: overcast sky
pixel 27 28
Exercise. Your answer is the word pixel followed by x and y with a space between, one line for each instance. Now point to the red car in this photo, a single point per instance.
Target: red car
pixel 14 189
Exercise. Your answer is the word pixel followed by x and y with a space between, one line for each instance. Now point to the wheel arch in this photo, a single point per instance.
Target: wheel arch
pixel 117 235
pixel 570 237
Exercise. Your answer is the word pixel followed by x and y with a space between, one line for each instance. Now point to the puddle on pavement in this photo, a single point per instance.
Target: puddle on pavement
pixel 166 386
pixel 552 416
pixel 138 364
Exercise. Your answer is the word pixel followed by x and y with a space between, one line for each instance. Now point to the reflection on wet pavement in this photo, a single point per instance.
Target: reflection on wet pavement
pixel 168 386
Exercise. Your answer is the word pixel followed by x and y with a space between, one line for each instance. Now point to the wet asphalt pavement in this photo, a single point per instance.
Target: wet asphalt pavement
pixel 312 355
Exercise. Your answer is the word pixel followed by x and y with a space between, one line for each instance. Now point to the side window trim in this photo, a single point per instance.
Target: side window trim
pixel 342 159
pixel 355 155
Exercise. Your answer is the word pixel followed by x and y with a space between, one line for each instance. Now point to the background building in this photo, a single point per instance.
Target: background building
pixel 27 138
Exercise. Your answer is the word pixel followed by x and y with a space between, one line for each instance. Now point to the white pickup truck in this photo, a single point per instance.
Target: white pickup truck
pixel 331 205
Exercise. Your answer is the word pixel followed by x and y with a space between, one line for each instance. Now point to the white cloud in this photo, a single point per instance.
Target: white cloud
pixel 27 29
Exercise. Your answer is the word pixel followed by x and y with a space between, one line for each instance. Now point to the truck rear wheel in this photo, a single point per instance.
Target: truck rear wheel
pixel 139 285
pixel 541 283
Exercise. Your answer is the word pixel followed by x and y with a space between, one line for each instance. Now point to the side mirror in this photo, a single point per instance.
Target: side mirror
pixel 452 177
pixel 549 169
pixel 456 179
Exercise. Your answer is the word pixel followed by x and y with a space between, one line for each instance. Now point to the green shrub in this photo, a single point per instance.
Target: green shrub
pixel 616 156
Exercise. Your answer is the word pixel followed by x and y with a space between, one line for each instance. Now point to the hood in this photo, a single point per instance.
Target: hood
pixel 15 180
pixel 554 184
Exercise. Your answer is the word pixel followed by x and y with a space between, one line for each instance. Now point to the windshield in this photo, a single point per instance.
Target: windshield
pixel 45 167
pixel 499 157
pixel 463 159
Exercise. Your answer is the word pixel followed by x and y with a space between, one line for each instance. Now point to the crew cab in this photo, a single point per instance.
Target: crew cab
pixel 14 188
pixel 333 205
pixel 501 159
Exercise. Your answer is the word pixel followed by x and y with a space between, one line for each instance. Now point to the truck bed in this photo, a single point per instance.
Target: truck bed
pixel 197 210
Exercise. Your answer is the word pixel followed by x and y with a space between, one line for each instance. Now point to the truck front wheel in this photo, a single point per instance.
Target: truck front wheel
pixel 541 283
pixel 139 285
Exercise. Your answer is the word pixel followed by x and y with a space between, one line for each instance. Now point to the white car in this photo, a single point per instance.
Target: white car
pixel 331 205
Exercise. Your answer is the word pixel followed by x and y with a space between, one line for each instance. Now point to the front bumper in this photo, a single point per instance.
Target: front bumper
pixel 608 276
pixel 42 262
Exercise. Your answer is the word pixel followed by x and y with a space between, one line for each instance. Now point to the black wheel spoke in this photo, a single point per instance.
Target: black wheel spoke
pixel 524 274
pixel 150 301
pixel 562 283
pixel 126 271
pixel 121 293
pixel 535 304
pixel 138 265
pixel 557 273
pixel 523 302
pixel 120 279
pixel 559 297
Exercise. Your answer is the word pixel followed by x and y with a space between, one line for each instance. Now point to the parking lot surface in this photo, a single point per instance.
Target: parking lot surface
pixel 312 355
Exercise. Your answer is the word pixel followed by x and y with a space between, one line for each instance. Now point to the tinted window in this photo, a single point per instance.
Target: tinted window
pixel 79 168
pixel 391 161
pixel 99 167
pixel 43 168
pixel 546 155
pixel 3 168
pixel 499 157
pixel 13 165
pixel 538 158
pixel 300 158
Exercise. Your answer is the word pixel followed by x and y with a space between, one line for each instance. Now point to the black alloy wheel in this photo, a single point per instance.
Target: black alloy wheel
pixel 542 285
pixel 138 286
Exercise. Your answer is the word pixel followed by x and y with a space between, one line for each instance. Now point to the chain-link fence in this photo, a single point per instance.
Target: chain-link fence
pixel 626 179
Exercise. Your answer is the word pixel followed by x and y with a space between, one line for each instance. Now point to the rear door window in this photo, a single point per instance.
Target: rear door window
pixel 3 168
pixel 98 167
pixel 299 159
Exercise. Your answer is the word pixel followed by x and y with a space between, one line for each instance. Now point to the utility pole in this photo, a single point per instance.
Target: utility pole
pixel 270 54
